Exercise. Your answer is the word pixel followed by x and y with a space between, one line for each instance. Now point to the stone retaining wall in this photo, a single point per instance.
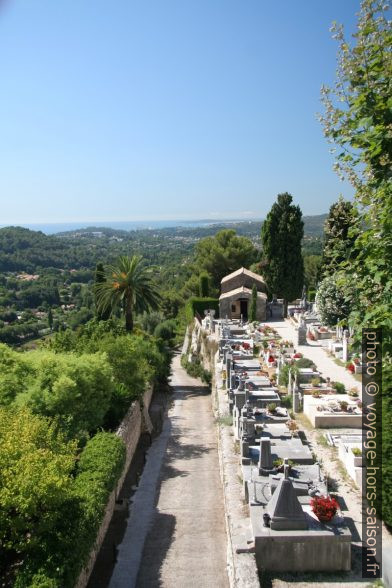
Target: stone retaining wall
pixel 135 421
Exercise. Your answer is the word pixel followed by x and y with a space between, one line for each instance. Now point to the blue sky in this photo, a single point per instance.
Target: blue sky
pixel 164 109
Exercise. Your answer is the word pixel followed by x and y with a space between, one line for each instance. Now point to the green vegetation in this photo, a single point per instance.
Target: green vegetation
pixel 281 234
pixel 199 305
pixel 357 120
pixel 253 304
pixel 128 286
pixel 196 370
pixel 224 253
pixel 53 402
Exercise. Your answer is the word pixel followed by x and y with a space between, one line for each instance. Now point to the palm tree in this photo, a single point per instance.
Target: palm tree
pixel 129 286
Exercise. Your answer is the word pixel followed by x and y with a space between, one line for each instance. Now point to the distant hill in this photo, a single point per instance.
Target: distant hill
pixel 26 250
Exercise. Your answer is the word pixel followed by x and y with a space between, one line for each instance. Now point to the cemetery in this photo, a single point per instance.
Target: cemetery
pixel 281 479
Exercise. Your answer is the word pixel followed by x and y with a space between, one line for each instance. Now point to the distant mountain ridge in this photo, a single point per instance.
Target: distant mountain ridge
pixel 22 249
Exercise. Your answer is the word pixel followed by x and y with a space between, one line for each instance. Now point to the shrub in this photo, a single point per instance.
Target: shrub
pixel 343 405
pixel 304 362
pixel 271 407
pixel 165 330
pixel 338 387
pixel 199 305
pixel 286 401
pixel 196 370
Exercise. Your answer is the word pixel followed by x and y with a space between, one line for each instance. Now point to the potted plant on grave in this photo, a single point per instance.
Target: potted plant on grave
pixel 316 394
pixel 292 427
pixel 350 367
pixel 353 392
pixel 324 507
pixel 271 407
pixel 343 405
pixel 338 387
pixel 279 464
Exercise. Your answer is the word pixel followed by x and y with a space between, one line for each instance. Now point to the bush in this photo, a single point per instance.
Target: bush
pixel 196 370
pixel 286 401
pixel 338 387
pixel 166 330
pixel 199 305
pixel 62 551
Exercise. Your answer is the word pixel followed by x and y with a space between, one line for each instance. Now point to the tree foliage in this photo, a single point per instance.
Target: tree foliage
pixel 35 464
pixel 357 121
pixel 332 305
pixel 129 286
pixel 253 304
pixel 339 237
pixel 224 253
pixel 281 235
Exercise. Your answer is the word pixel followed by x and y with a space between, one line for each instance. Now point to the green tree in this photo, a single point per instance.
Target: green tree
pixel 281 236
pixel 312 266
pixel 331 302
pixel 339 237
pixel 128 285
pixel 204 285
pixel 74 389
pixel 35 464
pixel 253 304
pixel 357 121
pixel 224 253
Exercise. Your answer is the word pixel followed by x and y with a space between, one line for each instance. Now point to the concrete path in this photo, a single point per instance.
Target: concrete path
pixel 176 533
pixel 314 351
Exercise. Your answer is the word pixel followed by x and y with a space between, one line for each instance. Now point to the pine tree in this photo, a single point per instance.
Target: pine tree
pixel 281 235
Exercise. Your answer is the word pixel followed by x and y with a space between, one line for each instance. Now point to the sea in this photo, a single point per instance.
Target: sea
pixel 53 228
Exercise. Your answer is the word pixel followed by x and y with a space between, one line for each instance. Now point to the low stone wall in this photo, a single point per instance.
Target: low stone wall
pixel 135 421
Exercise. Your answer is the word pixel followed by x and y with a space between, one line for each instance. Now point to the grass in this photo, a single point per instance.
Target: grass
pixel 303 420
pixel 225 420
pixel 321 440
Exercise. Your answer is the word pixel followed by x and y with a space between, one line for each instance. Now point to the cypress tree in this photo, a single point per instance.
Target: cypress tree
pixel 281 236
pixel 50 319
pixel 204 285
pixel 253 304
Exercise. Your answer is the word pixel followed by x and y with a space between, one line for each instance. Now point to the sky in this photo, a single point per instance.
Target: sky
pixel 164 109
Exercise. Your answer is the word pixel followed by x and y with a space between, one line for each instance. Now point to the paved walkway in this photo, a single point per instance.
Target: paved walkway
pixel 176 533
pixel 314 351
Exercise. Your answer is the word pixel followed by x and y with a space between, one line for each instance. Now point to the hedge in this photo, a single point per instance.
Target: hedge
pixel 199 305
pixel 60 555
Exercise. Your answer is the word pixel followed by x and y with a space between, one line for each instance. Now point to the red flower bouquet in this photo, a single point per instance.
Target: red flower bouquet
pixel 324 507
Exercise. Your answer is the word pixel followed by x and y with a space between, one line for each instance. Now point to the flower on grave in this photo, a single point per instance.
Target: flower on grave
pixel 324 507
pixel 271 359
pixel 351 368
pixel 297 355
pixel 245 346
